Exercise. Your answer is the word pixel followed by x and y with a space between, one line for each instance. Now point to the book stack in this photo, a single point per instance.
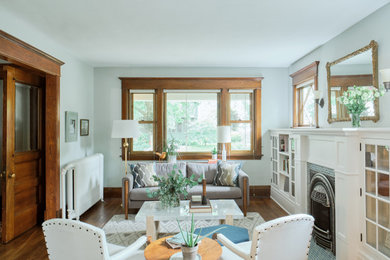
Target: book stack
pixel 198 207
pixel 177 240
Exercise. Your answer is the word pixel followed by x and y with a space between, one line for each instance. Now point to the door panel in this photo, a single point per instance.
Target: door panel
pixel 22 156
pixel 28 180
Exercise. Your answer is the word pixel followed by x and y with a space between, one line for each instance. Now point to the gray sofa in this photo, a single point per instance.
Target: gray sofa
pixel 137 196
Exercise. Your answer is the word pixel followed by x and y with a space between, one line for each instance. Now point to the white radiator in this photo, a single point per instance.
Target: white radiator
pixel 82 185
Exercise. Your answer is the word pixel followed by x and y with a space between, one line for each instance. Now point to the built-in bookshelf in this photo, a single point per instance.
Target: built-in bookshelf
pixel 283 164
pixel 377 196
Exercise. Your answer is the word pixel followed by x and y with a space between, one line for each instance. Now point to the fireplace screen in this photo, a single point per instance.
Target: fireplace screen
pixel 321 206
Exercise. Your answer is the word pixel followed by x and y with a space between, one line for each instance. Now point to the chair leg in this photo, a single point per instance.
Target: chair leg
pixel 245 197
pixel 126 206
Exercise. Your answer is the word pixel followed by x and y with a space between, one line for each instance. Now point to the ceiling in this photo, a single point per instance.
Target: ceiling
pixel 232 33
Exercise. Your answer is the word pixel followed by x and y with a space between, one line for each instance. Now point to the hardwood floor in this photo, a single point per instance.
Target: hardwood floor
pixel 31 245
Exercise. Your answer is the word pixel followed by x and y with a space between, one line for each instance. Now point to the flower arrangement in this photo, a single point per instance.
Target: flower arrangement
pixel 355 100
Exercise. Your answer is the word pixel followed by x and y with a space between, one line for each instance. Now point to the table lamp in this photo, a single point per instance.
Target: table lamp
pixel 223 138
pixel 125 129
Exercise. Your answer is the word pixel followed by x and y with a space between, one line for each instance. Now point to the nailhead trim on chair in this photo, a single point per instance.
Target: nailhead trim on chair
pixel 54 223
pixel 279 224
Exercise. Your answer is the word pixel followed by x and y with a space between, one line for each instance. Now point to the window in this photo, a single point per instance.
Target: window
pixel 305 104
pixel 241 121
pixel 142 109
pixel 305 110
pixel 189 110
pixel 191 119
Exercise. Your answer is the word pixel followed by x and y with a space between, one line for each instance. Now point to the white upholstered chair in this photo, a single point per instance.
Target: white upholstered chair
pixel 283 238
pixel 74 240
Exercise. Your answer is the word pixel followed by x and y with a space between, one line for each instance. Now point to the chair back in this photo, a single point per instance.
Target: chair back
pixel 283 238
pixel 73 240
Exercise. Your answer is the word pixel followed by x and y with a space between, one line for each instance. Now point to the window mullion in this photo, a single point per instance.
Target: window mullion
pixel 159 118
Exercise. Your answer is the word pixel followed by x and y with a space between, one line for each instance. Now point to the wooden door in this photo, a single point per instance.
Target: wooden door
pixel 22 206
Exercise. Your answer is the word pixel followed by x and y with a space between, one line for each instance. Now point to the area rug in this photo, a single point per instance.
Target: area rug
pixel 124 232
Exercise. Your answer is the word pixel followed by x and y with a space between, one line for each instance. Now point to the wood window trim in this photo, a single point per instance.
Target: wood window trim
pixel 251 121
pixel 303 75
pixel 224 84
pixel 154 121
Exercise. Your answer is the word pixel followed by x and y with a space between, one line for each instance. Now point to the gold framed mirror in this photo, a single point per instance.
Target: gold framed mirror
pixel 358 68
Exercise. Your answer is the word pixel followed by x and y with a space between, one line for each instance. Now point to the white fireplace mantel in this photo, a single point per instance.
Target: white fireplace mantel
pixel 341 150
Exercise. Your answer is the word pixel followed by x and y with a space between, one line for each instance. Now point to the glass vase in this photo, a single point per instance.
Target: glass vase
pixel 356 122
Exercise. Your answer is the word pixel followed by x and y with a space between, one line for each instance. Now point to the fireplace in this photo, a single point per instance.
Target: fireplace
pixel 321 205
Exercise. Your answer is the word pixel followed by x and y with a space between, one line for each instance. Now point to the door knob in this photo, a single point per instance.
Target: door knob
pixel 11 175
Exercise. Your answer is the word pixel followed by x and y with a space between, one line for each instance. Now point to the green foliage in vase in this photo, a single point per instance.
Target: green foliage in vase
pixel 356 98
pixel 171 187
pixel 172 147
pixel 214 151
pixel 190 238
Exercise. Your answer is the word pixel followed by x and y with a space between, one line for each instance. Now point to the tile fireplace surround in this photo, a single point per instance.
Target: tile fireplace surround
pixel 341 150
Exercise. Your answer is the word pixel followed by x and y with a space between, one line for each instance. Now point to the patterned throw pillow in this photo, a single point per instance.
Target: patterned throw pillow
pixel 227 174
pixel 143 174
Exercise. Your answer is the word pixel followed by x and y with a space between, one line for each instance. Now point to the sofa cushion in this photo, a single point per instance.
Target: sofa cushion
pixel 227 174
pixel 162 169
pixel 141 194
pixel 197 169
pixel 143 174
pixel 217 192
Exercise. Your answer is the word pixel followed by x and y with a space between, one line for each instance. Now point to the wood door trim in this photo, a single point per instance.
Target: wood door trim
pixel 28 57
pixel 19 52
pixel 8 153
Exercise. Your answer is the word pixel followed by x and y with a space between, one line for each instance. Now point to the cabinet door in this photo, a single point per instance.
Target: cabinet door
pixel 292 144
pixel 377 196
pixel 274 159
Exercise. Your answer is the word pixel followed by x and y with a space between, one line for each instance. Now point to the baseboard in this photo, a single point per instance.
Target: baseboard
pixel 112 192
pixel 260 191
pixel 255 191
pixel 280 205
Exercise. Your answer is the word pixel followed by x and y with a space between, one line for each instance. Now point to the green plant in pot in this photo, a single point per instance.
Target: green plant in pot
pixel 171 187
pixel 191 240
pixel 172 150
pixel 355 100
pixel 214 153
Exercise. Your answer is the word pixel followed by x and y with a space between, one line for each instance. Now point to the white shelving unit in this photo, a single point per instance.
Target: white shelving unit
pixel 377 196
pixel 284 172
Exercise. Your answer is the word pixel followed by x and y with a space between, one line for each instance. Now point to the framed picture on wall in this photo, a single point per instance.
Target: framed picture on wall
pixel 84 127
pixel 71 121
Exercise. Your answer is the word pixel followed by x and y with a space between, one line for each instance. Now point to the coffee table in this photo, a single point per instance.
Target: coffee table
pixel 209 249
pixel 151 211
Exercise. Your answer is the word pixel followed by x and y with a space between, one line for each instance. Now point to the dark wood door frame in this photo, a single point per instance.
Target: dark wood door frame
pixel 22 54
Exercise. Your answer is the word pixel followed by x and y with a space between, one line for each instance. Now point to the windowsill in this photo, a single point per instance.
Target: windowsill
pixel 305 127
pixel 193 158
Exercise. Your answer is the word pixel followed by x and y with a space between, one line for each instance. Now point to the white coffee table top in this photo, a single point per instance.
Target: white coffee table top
pixel 221 209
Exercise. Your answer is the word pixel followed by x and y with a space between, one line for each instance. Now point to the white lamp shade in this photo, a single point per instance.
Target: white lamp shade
pixel 125 129
pixel 224 134
pixel 385 74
